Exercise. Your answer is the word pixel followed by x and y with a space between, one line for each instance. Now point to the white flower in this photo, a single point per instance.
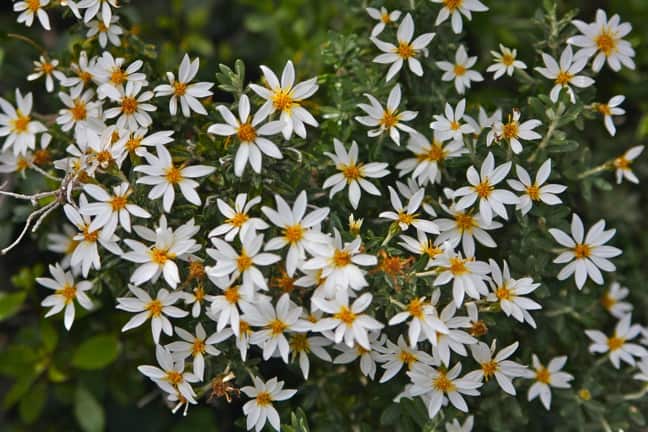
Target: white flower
pixel 513 131
pixel 623 165
pixel 454 9
pixel 301 345
pixel 617 345
pixel 138 142
pixel 535 190
pixel 245 262
pixel 604 37
pixel 643 370
pixel 612 300
pixel 17 125
pixel 159 258
pixel 509 292
pixel 395 356
pixel 347 323
pixel 164 175
pixel 455 426
pixel 64 243
pixel 467 275
pixel 238 221
pixel 455 339
pixel 111 73
pixel 368 357
pixel 460 71
pixel 429 157
pixel 250 134
pixel 585 256
pixel 259 410
pixel 483 121
pixel 386 119
pixel 547 377
pixel 287 98
pixel 482 187
pixel 111 210
pixel 11 163
pixel 133 109
pixel 407 49
pixel 275 322
pixel 80 111
pixel 299 231
pixel 565 73
pixel 450 126
pixel 197 345
pixel 420 245
pixel 505 62
pixel 65 292
pixel 84 72
pixel 437 386
pixel 157 310
pixel 184 90
pixel 352 173
pixel 225 307
pixel 31 8
pixel 496 365
pixel 408 216
pixel 610 109
pixel 105 33
pixel 384 17
pixel 465 227
pixel 171 376
pixel 95 7
pixel 47 68
pixel 197 297
pixel 425 319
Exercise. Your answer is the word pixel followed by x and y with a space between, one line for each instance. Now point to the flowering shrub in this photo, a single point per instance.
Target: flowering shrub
pixel 360 237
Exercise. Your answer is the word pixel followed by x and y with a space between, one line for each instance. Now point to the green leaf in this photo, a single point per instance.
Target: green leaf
pixel 10 304
pixel 88 411
pixel 96 352
pixel 32 404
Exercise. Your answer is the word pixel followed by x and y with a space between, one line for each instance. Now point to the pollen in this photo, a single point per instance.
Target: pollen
pixel 129 105
pixel 179 89
pixel 416 307
pixel 174 377
pixel 246 132
pixel 47 68
pixel 42 157
pixel 458 266
pixel 199 293
pixel 464 222
pixel 232 294
pixel 68 292
pixel 582 250
pixel 263 399
pixel 341 258
pixel 489 369
pixel 434 154
pixel 299 343
pixel 33 5
pixel 117 76
pixel 21 123
pixel 503 293
pixel 84 76
pixel 277 327
pixel 443 384
pixel 405 218
pixel 351 172
pixel 173 174
pixel 563 78
pixel 197 271
pixel 22 164
pixel 118 203
pixel 615 343
pixel 484 189
pixel 507 60
pixel 104 157
pixel 198 347
pixel 604 109
pixel 282 100
pixel 78 111
pixel 543 375
pixel 534 192
pixel 243 262
pixel 405 50
pixel 385 18
pixel 389 119
pixel 606 43
pixel 407 358
pixel 345 315
pixel 90 236
pixel 478 328
pixel 454 125
pixel 431 250
pixel 622 163
pixel 459 70
pixel 238 219
pixel 293 233
pixel 452 4
pixel 154 308
pixel 511 130
pixel 161 256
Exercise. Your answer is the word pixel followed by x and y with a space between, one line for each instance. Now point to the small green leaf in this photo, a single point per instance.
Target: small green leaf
pixel 96 352
pixel 32 404
pixel 10 304
pixel 88 411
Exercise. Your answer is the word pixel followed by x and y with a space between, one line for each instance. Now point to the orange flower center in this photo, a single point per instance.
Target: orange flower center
pixel 154 308
pixel 606 43
pixel 452 4
pixel 405 50
pixel 263 399
pixel 341 258
pixel 442 384
pixel 607 301
pixel 534 192
pixel 484 189
pixel 243 262
pixel 415 308
pixel 282 100
pixel 198 347
pixel 434 154
pixel 351 172
pixel 622 163
pixel 117 76
pixel 563 78
pixel 345 315
pixel 33 5
pixel 407 358
pixel 84 76
pixel 465 222
pixel 246 132
pixel 299 343
pixel 454 125
pixel 47 68
pixel 615 343
pixel 174 377
pixel 238 219
pixel 21 123
pixel 129 105
pixel 430 250
pixel 232 294
pixel 405 218
pixel 582 250
pixel 507 59
pixel 79 111
pixel 389 119
pixel 459 70
pixel 543 375
pixel 511 130
pixel 489 369
pixel 68 292
pixel 277 327
pixel 458 266
pixel 179 89
pixel 90 236
pixel 503 293
pixel 604 109
pixel 293 233
pixel 173 174
pixel 161 256
pixel 118 203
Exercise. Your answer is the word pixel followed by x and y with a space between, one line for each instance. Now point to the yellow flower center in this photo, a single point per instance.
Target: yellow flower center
pixel 415 308
pixel 615 343
pixel 385 18
pixel 405 50
pixel 90 236
pixel 33 5
pixel 582 250
pixel 102 27
pixel 434 154
pixel 117 76
pixel 563 78
pixel 232 294
pixel 277 327
pixel 406 218
pixel 503 293
pixel 299 343
pixel 263 399
pixel 407 358
pixel 246 132
pixel 459 70
pixel 154 308
pixel 543 375
pixel 431 250
pixel 507 59
pixel 389 119
pixel 243 262
pixel 68 292
pixel 534 192
pixel 118 203
pixel 79 111
pixel 293 233
pixel 458 266
pixel 173 174
pixel 622 163
pixel 511 130
pixel 161 256
pixel 351 172
pixel 584 394
pixel 198 347
pixel 199 293
pixel 454 125
pixel 129 105
pixel 84 76
pixel 238 219
pixel 606 42
pixel 179 89
pixel 22 164
pixel 465 222
pixel 489 369
pixel 21 123
pixel 341 258
pixel 282 100
pixel 104 157
pixel 47 68
pixel 345 315
pixel 442 383
pixel 607 301
pixel 604 109
pixel 174 377
pixel 133 143
pixel 484 189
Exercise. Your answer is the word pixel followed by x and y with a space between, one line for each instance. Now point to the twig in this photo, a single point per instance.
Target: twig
pixel 45 173
pixel 28 40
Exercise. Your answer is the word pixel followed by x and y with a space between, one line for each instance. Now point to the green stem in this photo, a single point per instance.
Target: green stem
pixel 29 41
pixel 545 141
pixel 603 167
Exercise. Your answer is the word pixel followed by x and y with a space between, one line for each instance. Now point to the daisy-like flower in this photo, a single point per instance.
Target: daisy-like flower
pixel 83 71
pixel 238 221
pixel 455 426
pixel 65 292
pixel 348 323
pixel 586 254
pixel 618 344
pixel 610 109
pixel 496 365
pixel 565 74
pixel 386 119
pixel 509 293
pixel 467 275
pixel 287 98
pixel 65 244
pixel 437 386
pixel 604 38
pixel 535 191
pixel 11 163
pixel 408 216
pixel 484 121
pixel 245 262
pixel 275 322
pixel 96 8
pixel 424 321
pixel 171 376
pixel 455 339
pixel 156 309
pixel 111 210
pixel 80 111
pixel 384 18
pixel 465 227
pixel 32 8
pixel 105 33
pixel 112 74
pixel 46 68
pixel 184 90
pixel 460 71
pixel 406 51
pixel 506 62
pixel 450 126
pixel 368 357
pixel 17 125
pixel 133 110
pixel 353 173
pixel 225 307
pixel 453 9
pixel 197 345
pixel 160 257
pixel 301 345
pixel 250 134
pixel 421 245
pixel 428 158
pixel 338 266
pixel 546 377
pixel 138 141
pixel 259 410
pixel 482 188
pixel 622 165
pixel 513 131
pixel 164 175
pixel 299 231
pixel 612 300
pixel 396 355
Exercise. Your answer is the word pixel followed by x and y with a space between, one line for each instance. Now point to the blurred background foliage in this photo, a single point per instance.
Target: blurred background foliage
pixel 52 380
